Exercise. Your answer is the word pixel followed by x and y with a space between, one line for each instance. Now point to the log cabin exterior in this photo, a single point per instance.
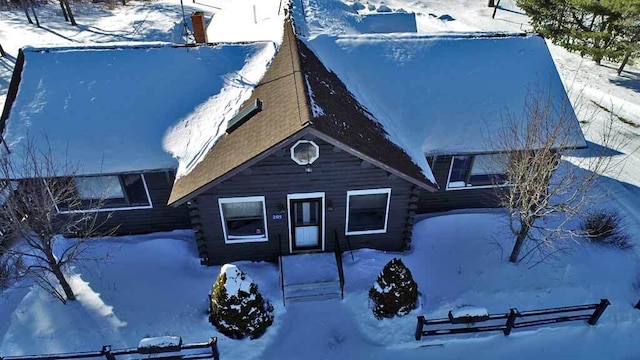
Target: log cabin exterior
pixel 305 164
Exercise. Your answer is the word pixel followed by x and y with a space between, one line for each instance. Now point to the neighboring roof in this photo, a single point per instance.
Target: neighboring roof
pixel 447 93
pixel 295 88
pixel 128 107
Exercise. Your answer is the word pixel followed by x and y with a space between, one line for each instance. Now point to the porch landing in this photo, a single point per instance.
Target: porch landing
pixel 310 268
pixel 312 276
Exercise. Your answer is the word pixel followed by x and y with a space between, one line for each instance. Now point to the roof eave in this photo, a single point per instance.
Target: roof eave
pixel 427 186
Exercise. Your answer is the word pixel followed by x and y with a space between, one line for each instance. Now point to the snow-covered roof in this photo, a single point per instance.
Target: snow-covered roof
pixel 445 93
pixel 123 108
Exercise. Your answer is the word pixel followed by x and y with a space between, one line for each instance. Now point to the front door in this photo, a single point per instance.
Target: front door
pixel 306 215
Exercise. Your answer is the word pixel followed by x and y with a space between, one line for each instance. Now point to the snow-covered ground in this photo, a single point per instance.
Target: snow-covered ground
pixel 153 285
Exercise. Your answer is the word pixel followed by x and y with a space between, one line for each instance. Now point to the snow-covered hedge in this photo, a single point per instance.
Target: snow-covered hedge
pixel 394 293
pixel 237 308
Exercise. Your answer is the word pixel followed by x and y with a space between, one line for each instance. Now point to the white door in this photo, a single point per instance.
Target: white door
pixel 306 223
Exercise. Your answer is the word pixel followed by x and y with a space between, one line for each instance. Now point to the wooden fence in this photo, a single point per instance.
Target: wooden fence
pixel 512 320
pixel 173 351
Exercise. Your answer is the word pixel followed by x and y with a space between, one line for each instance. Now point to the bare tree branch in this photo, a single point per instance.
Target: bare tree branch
pixel 36 186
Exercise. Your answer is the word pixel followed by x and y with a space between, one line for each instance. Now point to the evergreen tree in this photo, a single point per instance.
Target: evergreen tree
pixel 237 308
pixel 601 29
pixel 394 293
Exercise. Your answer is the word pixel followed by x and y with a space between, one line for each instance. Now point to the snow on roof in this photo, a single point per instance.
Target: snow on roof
pixel 123 108
pixel 248 20
pixel 446 93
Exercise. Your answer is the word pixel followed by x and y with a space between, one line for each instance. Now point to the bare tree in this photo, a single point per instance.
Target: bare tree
pixel 66 11
pixel 36 186
pixel 545 193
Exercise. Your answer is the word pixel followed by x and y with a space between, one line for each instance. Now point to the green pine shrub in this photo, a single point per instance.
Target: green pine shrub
pixel 394 293
pixel 237 308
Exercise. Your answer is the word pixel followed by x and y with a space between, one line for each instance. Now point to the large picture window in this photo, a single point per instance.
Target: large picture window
pixel 109 193
pixel 367 211
pixel 243 219
pixel 478 170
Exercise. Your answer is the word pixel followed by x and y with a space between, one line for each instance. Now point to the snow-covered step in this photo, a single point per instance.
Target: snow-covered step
pixel 313 291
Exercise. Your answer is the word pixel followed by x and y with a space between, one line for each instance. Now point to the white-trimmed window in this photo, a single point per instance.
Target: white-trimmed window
pixel 243 219
pixel 109 193
pixel 484 170
pixel 367 211
pixel 305 152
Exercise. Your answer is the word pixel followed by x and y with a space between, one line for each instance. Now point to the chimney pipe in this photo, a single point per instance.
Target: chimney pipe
pixel 199 27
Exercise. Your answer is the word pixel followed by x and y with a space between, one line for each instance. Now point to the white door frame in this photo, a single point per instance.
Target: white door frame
pixel 301 196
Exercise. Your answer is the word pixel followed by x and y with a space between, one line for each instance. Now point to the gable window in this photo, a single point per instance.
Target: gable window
pixel 478 170
pixel 305 152
pixel 243 219
pixel 367 211
pixel 109 193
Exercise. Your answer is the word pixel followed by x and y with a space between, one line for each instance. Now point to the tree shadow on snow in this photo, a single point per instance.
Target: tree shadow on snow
pixel 629 79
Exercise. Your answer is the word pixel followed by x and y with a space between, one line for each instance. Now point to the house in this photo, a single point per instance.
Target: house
pixel 117 114
pixel 351 132
pixel 328 141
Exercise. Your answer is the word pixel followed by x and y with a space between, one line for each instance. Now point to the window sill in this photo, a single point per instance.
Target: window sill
pixel 245 239
pixel 366 232
pixel 469 187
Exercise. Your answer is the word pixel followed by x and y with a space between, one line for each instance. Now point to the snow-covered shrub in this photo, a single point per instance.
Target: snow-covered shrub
pixel 237 308
pixel 606 227
pixel 394 292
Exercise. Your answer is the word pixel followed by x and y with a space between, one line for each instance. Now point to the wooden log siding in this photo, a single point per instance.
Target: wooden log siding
pixel 334 173
pixel 160 218
pixel 445 200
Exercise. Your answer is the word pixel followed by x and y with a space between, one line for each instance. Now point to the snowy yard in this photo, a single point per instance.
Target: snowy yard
pixel 153 285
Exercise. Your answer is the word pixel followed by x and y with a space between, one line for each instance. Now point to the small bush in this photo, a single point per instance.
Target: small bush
pixel 606 227
pixel 237 309
pixel 394 293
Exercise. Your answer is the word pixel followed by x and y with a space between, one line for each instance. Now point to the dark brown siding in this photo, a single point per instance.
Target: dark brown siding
pixel 444 200
pixel 160 218
pixel 333 173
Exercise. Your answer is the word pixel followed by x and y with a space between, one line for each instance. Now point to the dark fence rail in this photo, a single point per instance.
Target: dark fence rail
pixel 109 354
pixel 591 313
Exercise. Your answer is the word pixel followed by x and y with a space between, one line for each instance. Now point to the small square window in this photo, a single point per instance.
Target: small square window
pixel 243 219
pixel 109 192
pixel 478 170
pixel 367 211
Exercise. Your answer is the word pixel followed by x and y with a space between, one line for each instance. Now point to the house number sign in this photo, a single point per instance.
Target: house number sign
pixel 277 217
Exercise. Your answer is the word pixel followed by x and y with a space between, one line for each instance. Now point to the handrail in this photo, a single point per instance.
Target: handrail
pixel 338 254
pixel 350 248
pixel 281 269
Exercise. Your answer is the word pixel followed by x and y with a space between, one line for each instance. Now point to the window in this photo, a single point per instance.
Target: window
pixel 243 219
pixel 305 152
pixel 478 170
pixel 367 211
pixel 110 192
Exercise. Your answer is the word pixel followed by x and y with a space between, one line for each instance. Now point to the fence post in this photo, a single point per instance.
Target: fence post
pixel 106 351
pixel 421 322
pixel 213 342
pixel 600 308
pixel 511 320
